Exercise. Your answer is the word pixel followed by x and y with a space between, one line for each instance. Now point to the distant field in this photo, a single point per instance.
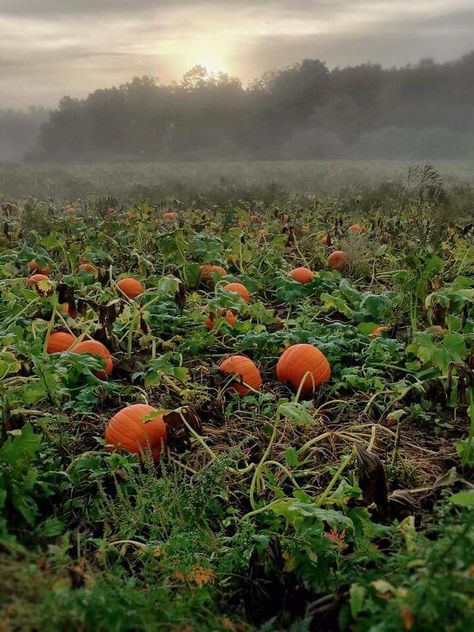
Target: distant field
pixel 159 179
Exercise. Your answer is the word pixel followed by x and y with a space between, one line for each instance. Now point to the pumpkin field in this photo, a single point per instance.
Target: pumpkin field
pixel 237 416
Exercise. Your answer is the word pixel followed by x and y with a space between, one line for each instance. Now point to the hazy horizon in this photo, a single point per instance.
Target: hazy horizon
pixel 59 47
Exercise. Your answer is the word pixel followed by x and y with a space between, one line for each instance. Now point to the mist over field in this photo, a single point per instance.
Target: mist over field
pixel 303 111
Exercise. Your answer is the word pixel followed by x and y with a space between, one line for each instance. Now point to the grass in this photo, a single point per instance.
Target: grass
pixel 187 179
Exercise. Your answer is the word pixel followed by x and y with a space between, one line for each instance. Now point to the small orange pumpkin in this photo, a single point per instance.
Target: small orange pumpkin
pixel 230 317
pixel 325 240
pixel 34 279
pixel 302 275
pixel 338 260
pixel 126 430
pixel 377 331
pixel 170 216
pixel 356 228
pixel 300 360
pixel 97 349
pixel 130 287
pixel 60 341
pixel 87 267
pixel 34 267
pixel 239 289
pixel 208 272
pixel 65 310
pixel 436 329
pixel 246 369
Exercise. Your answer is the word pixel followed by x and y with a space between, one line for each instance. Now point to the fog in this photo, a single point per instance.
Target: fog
pixel 302 111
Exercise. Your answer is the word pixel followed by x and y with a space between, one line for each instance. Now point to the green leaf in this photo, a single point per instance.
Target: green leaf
pixel 291 457
pixel 297 413
pixel 463 499
pixel 357 595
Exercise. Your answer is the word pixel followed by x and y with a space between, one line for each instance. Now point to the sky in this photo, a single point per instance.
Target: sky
pixel 49 48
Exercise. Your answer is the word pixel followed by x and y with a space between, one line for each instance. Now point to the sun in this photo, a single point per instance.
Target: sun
pixel 211 65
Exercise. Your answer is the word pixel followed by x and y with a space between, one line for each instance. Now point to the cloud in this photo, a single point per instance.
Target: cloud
pixel 54 47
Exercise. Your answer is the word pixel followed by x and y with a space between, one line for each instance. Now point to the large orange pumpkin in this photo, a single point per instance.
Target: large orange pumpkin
pixel 239 289
pixel 302 275
pixel 126 430
pixel 300 360
pixel 97 349
pixel 34 267
pixel 207 272
pixel 87 267
pixel 170 216
pixel 338 260
pixel 60 341
pixel 356 228
pixel 243 366
pixel 130 287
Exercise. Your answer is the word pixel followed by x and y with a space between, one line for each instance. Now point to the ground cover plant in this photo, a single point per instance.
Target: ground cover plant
pixel 257 415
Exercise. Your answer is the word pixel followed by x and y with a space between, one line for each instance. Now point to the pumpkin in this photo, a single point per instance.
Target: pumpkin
pixel 127 430
pixel 230 318
pixel 300 360
pixel 377 331
pixel 130 287
pixel 170 216
pixel 208 272
pixel 87 267
pixel 60 341
pixel 356 228
pixel 302 275
pixel 246 369
pixel 254 218
pixel 65 310
pixel 436 329
pixel 34 279
pixel 325 240
pixel 338 260
pixel 97 349
pixel 84 260
pixel 239 289
pixel 34 267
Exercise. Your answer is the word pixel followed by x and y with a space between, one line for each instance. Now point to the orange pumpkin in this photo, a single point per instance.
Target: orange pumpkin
pixel 436 329
pixel 65 310
pixel 36 278
pixel 130 287
pixel 254 218
pixel 87 267
pixel 377 331
pixel 338 260
pixel 60 341
pixel 170 216
pixel 230 317
pixel 208 272
pixel 302 275
pixel 324 240
pixel 302 360
pixel 97 349
pixel 127 430
pixel 246 369
pixel 239 289
pixel 356 228
pixel 34 267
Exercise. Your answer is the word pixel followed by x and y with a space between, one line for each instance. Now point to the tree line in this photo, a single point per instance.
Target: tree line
pixel 302 111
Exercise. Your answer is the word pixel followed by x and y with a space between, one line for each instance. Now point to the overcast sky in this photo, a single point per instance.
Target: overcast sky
pixel 49 48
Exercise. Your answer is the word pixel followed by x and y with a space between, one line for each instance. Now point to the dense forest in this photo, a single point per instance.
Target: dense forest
pixel 302 111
